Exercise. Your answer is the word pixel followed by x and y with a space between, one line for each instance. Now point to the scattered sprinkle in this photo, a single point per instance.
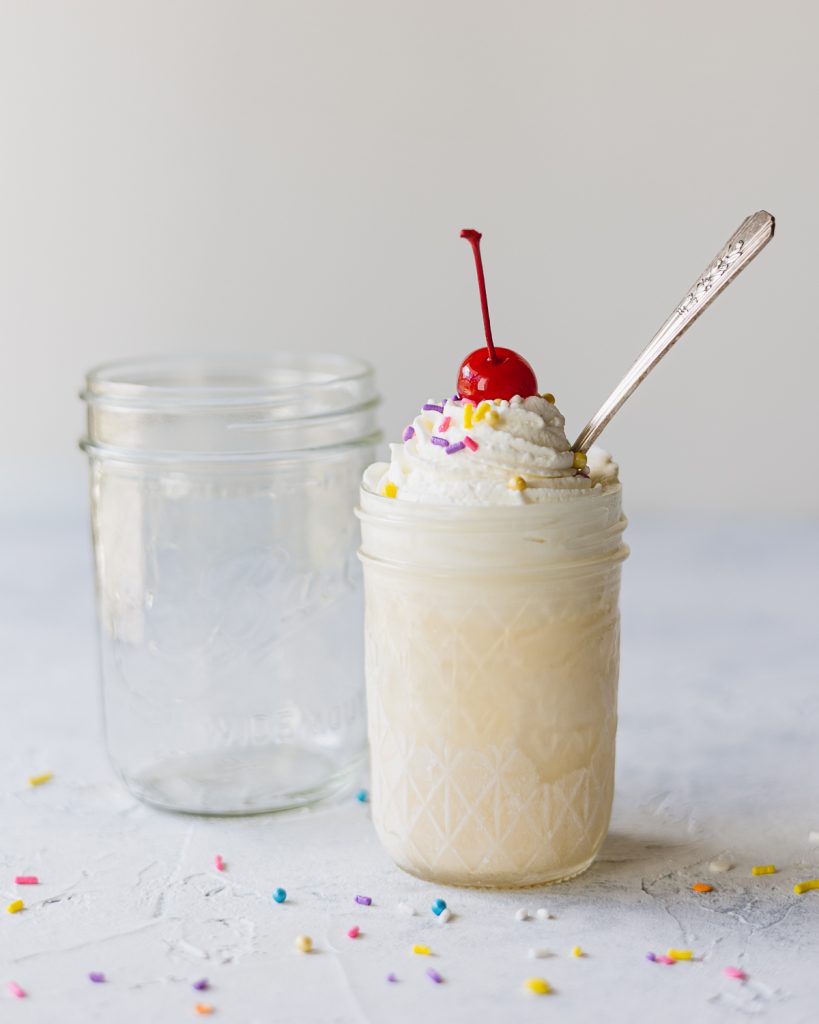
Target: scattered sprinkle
pixel 362 796
pixel 680 954
pixel 438 906
pixel 702 887
pixel 365 901
pixel 406 908
pixel 542 914
pixel 440 441
pixel 481 411
pixel 579 461
pixel 666 960
pixel 26 880
pixel 720 864
pixel 389 490
pixel 304 943
pixel 550 398
pixel 516 483
pixel 391 978
pixel 409 434
pixel 763 869
pixel 651 956
pixel 812 883
pixel 201 985
pixel 492 418
pixel 280 895
pixel 15 990
pixel 539 986
pixel 735 972
pixel 522 914
pixel 203 1009
pixel 220 864
pixel 577 951
pixel 469 408
pixel 15 906
pixel 470 444
pixel 38 780
pixel 445 915
pixel 443 426
pixel 432 407
pixel 96 976
pixel 354 932
pixel 538 953
pixel 456 397
pixel 433 975
pixel 421 950
pixel 453 448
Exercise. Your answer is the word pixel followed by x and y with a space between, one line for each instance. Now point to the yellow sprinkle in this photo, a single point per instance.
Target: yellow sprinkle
pixel 497 401
pixel 492 418
pixel 680 954
pixel 304 943
pixel 579 461
pixel 577 951
pixel 764 869
pixel 549 397
pixel 15 906
pixel 481 411
pixel 469 408
pixel 389 490
pixel 38 780
pixel 421 950
pixel 812 883
pixel 538 986
pixel 516 483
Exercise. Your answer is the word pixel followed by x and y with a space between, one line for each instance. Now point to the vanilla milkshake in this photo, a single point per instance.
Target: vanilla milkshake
pixel 492 558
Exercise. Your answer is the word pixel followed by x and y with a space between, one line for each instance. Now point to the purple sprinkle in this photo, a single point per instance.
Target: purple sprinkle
pixel 434 975
pixel 201 985
pixel 441 441
pixel 458 447
pixel 651 957
pixel 456 397
pixel 96 976
pixel 409 433
pixel 365 901
pixel 391 978
pixel 431 407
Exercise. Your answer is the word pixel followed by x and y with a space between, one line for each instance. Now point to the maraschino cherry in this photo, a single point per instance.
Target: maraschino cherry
pixel 492 372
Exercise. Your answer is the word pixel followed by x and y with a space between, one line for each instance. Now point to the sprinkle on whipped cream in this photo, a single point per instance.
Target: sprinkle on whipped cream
pixel 457 453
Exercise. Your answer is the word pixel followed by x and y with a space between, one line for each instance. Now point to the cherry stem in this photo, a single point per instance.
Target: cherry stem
pixel 474 239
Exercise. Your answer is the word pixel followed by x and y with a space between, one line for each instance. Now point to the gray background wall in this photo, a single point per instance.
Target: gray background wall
pixel 183 175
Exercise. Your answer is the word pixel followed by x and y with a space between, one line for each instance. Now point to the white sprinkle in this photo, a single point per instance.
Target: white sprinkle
pixel 406 908
pixel 542 914
pixel 538 953
pixel 445 915
pixel 721 863
pixel 522 914
pixel 813 837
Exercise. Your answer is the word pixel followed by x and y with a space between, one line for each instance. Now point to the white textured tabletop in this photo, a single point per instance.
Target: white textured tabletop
pixel 718 754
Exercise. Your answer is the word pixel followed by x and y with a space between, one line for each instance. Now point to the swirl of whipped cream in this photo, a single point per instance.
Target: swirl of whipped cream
pixel 497 453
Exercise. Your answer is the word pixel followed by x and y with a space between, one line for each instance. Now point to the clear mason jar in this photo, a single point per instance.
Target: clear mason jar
pixel 492 657
pixel 229 597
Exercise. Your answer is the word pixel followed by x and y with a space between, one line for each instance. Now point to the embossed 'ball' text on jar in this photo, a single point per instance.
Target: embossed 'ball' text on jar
pixel 228 591
pixel 492 660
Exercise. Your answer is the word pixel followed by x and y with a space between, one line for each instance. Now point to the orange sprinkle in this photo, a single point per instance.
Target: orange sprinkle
pixel 203 1008
pixel 702 887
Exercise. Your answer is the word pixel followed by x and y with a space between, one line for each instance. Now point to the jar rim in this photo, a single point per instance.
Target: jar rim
pixel 224 380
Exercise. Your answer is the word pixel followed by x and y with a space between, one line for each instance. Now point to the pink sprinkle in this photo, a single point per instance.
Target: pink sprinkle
pixel 354 932
pixel 451 449
pixel 26 880
pixel 666 960
pixel 433 975
pixel 441 441
pixel 443 426
pixel 220 864
pixel 15 990
pixel 470 444
pixel 735 972
pixel 408 434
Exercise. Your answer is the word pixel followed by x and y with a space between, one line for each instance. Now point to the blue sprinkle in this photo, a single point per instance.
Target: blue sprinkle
pixel 438 907
pixel 280 895
pixel 362 796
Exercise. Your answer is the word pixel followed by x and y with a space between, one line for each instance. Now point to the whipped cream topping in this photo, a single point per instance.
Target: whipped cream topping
pixel 497 453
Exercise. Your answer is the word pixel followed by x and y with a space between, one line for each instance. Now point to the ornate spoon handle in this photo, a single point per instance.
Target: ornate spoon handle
pixel 747 241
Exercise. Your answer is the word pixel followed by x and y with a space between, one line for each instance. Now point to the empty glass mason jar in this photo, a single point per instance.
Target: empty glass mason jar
pixel 229 596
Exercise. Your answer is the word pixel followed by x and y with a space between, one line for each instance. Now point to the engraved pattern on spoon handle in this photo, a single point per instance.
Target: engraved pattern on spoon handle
pixel 747 241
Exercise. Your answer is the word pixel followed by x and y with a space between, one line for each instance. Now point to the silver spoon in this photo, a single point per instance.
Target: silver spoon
pixel 748 240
